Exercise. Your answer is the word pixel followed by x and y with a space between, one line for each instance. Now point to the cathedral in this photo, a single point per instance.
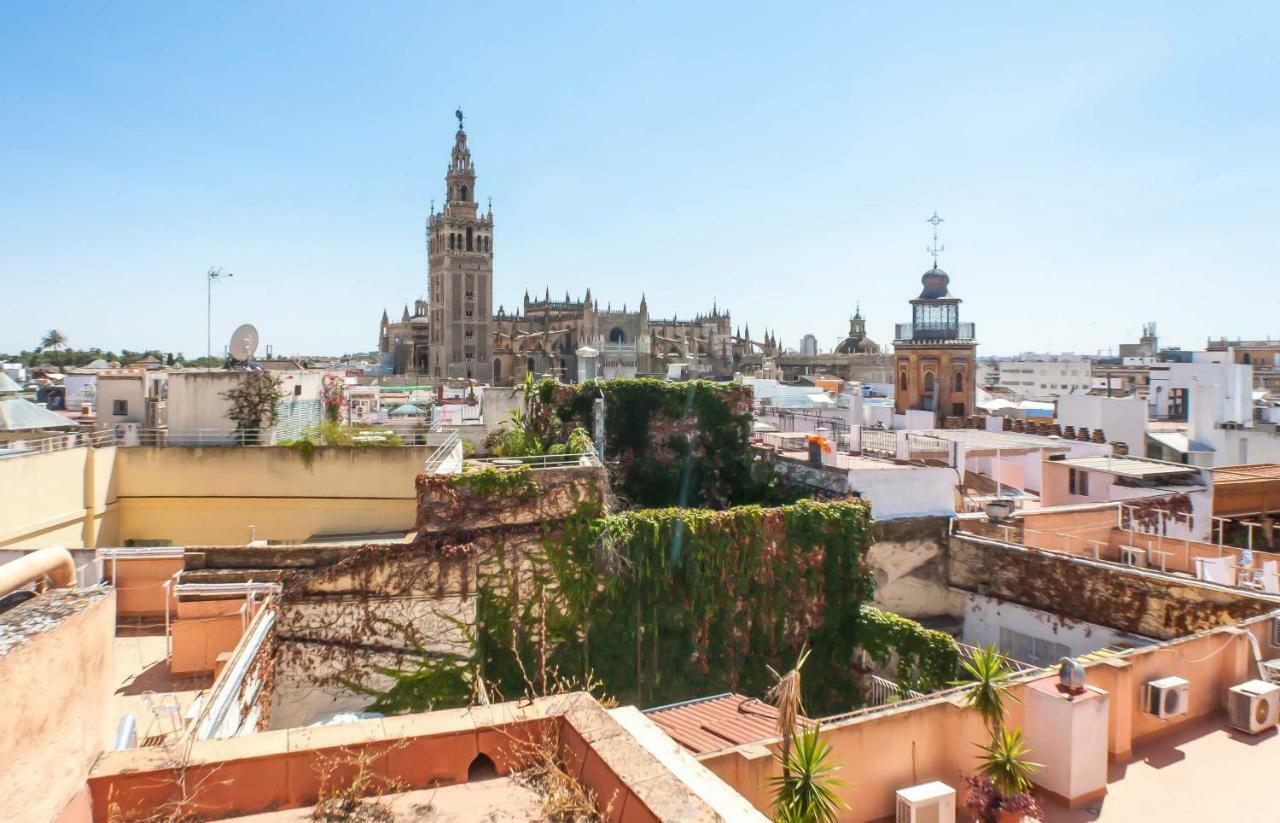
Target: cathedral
pixel 455 335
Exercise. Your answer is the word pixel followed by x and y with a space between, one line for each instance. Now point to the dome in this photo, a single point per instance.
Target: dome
pixel 935 282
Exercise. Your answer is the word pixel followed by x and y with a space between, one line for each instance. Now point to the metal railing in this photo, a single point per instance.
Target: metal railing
pixel 441 454
pixel 1018 666
pixel 883 442
pixel 885 691
pixel 59 442
pixel 933 331
pixel 534 461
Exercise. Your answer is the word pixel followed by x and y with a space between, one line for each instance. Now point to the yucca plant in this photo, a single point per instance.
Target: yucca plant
pixel 1005 763
pixel 785 697
pixel 805 792
pixel 989 673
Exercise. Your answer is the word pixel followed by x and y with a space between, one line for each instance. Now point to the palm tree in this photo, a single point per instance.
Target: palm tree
pixel 55 340
pixel 785 696
pixel 805 793
pixel 989 673
pixel 1005 763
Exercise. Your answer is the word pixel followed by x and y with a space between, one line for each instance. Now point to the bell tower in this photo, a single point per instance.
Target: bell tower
pixel 935 355
pixel 460 275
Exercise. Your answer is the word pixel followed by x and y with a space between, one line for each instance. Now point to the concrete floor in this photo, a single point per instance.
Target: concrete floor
pixel 1200 772
pixel 141 666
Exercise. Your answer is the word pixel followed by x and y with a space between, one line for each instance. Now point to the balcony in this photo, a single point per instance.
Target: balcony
pixel 928 332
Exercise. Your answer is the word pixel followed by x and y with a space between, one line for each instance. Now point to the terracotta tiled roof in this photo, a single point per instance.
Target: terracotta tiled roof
pixel 709 724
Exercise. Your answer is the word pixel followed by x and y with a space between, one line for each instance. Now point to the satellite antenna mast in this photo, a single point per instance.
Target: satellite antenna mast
pixel 210 277
pixel 244 342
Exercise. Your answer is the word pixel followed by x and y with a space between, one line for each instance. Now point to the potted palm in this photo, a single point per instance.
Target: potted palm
pixel 1001 791
pixel 805 791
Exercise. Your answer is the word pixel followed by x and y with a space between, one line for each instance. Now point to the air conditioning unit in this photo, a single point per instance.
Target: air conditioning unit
pixel 1167 697
pixel 1270 671
pixel 927 803
pixel 1254 706
pixel 1275 631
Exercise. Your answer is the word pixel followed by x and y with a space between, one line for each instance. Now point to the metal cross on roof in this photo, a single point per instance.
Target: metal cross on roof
pixel 935 248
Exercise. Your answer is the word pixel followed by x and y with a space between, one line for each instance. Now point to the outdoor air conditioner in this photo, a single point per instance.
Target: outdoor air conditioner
pixel 127 434
pixel 1167 697
pixel 1275 631
pixel 1270 671
pixel 1254 706
pixel 927 803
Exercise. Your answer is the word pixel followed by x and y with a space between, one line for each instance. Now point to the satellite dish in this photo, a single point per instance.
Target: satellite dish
pixel 244 342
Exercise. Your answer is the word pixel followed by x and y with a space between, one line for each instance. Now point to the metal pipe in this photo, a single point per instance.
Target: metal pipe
pixel 53 562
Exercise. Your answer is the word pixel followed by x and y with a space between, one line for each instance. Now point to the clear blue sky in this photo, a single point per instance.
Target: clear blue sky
pixel 1097 165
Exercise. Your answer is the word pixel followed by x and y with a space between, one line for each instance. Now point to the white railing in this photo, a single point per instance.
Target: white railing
pixel 534 461
pixel 885 691
pixel 441 454
pixel 60 442
pixel 1018 666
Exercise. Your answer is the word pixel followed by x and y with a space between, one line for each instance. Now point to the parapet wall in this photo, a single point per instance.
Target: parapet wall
pixel 497 497
pixel 1076 588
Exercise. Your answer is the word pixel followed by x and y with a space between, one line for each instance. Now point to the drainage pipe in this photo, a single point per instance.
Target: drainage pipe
pixel 53 562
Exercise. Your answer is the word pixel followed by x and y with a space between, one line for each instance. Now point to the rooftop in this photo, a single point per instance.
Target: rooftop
pixel 1129 466
pixel 1246 474
pixel 1200 770
pixel 979 440
pixel 709 724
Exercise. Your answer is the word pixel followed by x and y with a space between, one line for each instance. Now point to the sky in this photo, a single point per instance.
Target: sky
pixel 1097 165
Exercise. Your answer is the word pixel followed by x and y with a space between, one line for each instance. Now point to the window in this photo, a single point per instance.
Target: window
pixel 464 193
pixel 617 335
pixel 928 382
pixel 1029 649
pixel 297 390
pixel 959 381
pixel 119 408
pixel 1078 482
pixel 902 381
pixel 468 235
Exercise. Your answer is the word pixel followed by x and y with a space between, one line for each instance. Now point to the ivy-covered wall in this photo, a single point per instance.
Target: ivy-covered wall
pixel 672 444
pixel 663 605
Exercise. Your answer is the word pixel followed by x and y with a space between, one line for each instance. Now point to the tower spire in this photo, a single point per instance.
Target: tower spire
pixel 935 248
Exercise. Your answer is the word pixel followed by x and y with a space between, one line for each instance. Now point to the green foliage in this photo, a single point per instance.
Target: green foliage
pixel 927 658
pixel 671 444
pixel 330 433
pixel 253 402
pixel 805 792
pixel 516 482
pixel 664 604
pixel 1005 763
pixel 989 672
pixel 431 679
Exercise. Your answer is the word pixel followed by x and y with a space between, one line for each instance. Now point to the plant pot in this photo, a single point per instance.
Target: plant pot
pixel 815 454
pixel 1010 817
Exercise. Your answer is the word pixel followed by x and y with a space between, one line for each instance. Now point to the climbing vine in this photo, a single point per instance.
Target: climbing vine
pixel 513 483
pixel 667 604
pixel 671 444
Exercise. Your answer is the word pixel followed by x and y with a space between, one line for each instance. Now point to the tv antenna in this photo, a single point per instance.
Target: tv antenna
pixel 244 342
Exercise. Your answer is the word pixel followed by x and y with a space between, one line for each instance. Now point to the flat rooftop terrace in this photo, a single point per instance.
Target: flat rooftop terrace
pixel 1203 770
pixel 497 800
pixel 142 675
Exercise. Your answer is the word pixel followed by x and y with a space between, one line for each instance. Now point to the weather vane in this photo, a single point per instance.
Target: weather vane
pixel 935 248
pixel 458 114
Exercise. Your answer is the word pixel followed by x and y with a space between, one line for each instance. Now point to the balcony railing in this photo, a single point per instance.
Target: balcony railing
pixel 912 332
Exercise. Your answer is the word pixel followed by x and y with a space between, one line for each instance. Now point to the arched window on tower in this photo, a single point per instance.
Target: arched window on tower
pixel 928 382
pixel 450 240
pixel 469 238
pixel 617 335
pixel 959 381
pixel 463 191
pixel 902 382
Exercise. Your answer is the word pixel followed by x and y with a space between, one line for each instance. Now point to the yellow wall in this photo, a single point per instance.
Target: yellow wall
pixel 187 495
